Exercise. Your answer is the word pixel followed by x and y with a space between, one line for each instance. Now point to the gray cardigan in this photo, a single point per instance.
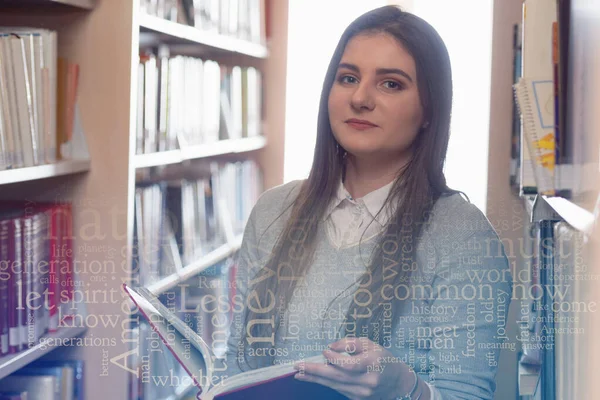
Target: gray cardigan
pixel 459 299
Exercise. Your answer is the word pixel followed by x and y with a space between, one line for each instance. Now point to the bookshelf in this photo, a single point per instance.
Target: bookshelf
pixel 104 38
pixel 212 150
pixel 43 171
pixel 175 33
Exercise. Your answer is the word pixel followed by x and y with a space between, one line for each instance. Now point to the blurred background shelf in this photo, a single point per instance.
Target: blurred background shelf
pixel 43 171
pixel 576 216
pixel 166 31
pixel 13 362
pixel 222 147
pixel 196 268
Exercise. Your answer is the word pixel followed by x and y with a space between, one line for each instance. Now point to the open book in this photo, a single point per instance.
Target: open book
pixel 197 359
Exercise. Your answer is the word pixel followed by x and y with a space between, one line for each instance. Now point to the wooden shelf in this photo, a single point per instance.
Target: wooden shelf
pixel 231 146
pixel 43 171
pixel 194 269
pixel 172 32
pixel 157 159
pixel 13 362
pixel 222 147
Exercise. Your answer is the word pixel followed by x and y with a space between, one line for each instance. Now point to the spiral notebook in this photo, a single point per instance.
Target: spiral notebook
pixel 536 103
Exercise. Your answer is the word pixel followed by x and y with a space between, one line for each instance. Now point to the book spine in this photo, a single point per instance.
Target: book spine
pixel 23 100
pixel 27 315
pixel 5 266
pixel 548 376
pixel 40 267
pixel 54 268
pixel 67 272
pixel 15 286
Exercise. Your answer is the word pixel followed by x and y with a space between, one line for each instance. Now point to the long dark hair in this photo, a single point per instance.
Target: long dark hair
pixel 415 190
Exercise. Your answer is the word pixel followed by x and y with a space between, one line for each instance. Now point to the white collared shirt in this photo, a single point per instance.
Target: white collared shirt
pixel 348 220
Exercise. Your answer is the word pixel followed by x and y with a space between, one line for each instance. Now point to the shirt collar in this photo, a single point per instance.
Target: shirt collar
pixel 373 201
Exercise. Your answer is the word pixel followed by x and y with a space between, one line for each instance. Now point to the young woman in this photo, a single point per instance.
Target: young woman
pixel 373 254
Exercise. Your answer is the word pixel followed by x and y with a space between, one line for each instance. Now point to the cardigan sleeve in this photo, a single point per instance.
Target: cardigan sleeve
pixel 472 283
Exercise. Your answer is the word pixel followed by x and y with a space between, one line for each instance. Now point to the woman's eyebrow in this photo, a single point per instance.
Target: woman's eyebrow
pixel 379 71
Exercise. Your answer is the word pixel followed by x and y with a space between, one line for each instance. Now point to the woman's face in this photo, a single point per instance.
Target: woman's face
pixel 374 104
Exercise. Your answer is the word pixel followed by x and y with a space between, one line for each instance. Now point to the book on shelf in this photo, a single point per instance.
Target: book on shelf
pixel 187 101
pixel 535 96
pixel 39 118
pixel 516 148
pixel 13 395
pixel 179 221
pixel 59 380
pixel 196 357
pixel 555 157
pixel 194 218
pixel 149 232
pixel 36 272
pixel 40 387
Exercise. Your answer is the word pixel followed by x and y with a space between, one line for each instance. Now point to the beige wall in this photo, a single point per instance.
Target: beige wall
pixel 504 209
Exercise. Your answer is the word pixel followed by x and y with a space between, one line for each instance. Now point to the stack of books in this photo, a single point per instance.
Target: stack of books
pixel 187 101
pixel 45 380
pixel 39 119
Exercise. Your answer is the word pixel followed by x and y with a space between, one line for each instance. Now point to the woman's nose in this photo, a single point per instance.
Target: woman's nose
pixel 362 98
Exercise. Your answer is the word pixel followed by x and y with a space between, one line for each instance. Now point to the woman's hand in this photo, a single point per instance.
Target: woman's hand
pixel 371 372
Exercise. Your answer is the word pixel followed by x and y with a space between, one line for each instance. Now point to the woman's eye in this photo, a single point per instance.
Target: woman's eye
pixel 347 79
pixel 392 85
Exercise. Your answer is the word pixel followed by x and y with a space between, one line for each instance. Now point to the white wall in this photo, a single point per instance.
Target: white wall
pixel 469 42
pixel 314 28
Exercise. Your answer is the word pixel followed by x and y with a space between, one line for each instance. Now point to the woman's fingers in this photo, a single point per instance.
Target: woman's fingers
pixel 353 364
pixel 353 345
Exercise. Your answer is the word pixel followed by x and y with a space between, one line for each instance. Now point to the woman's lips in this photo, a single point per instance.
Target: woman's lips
pixel 361 126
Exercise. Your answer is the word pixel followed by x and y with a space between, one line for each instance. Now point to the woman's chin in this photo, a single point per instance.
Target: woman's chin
pixel 366 151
